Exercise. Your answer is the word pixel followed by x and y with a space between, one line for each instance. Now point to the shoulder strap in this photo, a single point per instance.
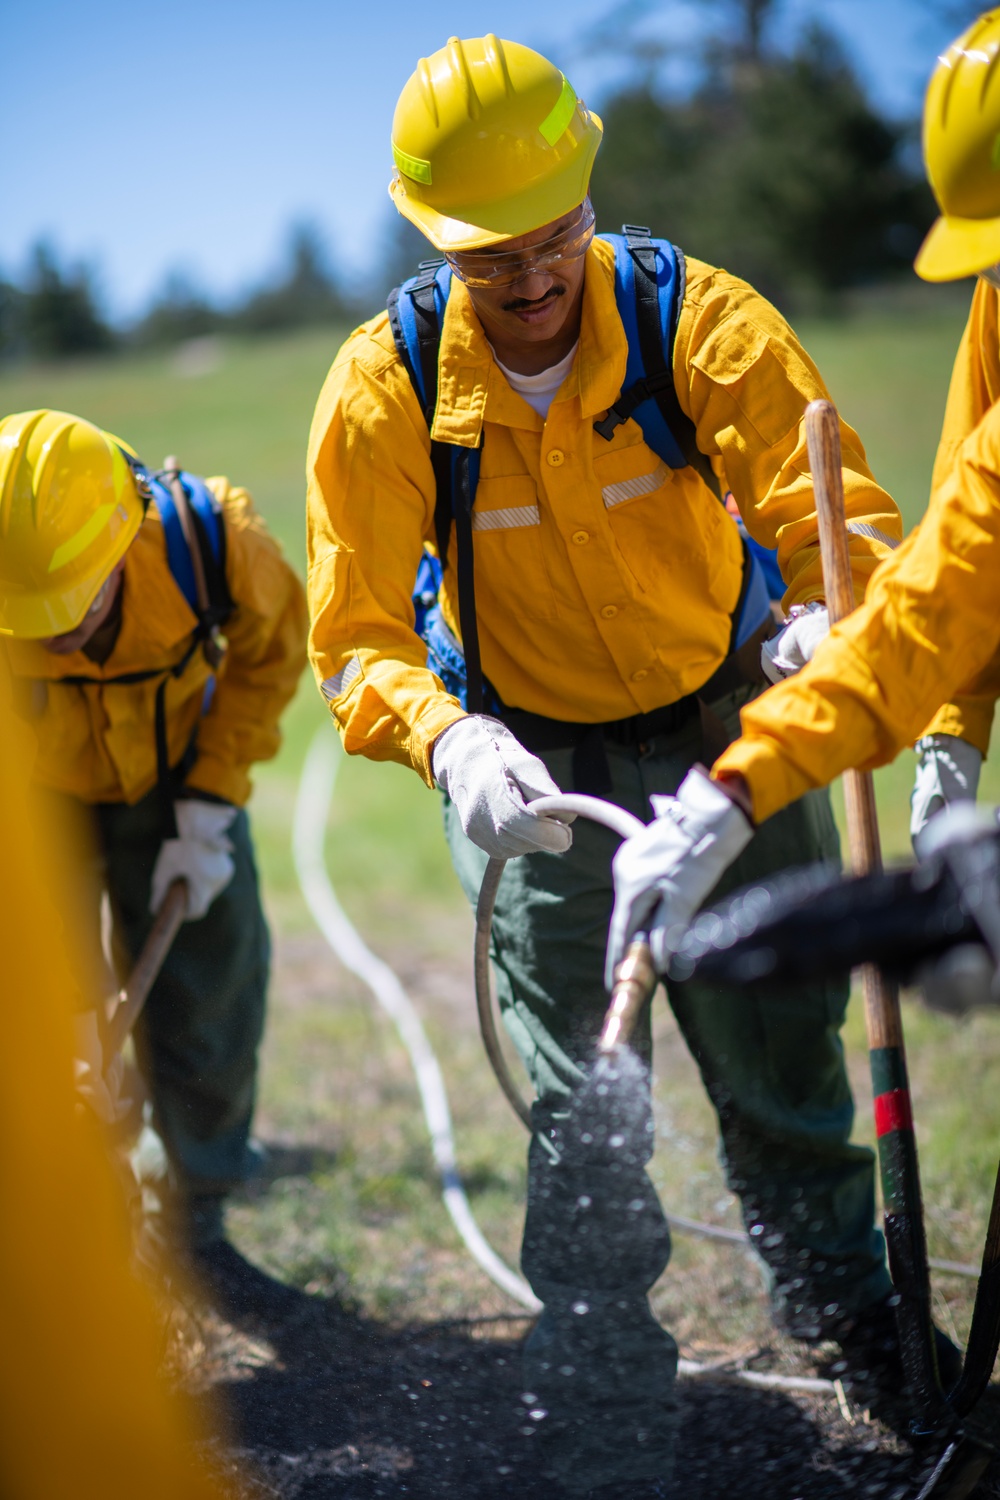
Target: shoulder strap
pixel 649 290
pixel 195 532
pixel 416 312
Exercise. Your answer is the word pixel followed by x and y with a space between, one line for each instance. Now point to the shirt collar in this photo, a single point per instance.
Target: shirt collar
pixel 472 388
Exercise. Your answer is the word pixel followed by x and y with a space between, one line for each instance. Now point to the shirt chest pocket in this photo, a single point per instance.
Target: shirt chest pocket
pixel 510 543
pixel 648 510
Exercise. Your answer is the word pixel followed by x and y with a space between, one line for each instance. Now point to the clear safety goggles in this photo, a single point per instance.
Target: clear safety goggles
pixel 991 274
pixel 496 267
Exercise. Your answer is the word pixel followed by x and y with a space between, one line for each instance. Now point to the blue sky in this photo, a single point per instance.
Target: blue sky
pixel 188 135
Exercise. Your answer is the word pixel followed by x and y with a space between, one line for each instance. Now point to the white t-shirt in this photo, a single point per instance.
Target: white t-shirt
pixel 539 390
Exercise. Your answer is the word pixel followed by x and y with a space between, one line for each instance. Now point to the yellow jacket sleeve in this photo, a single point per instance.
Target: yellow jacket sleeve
pixel 370 448
pixel 265 658
pixel 975 386
pixel 930 621
pixel 745 380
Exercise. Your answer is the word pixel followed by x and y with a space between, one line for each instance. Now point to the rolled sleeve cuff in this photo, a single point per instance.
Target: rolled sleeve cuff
pixel 968 719
pixel 210 774
pixel 434 721
pixel 773 782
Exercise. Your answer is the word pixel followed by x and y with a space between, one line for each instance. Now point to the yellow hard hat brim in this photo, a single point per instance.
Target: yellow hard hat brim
pixel 489 223
pixel 956 247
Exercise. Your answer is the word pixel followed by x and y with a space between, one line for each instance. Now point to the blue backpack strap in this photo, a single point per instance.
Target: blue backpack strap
pixel 650 277
pixel 416 314
pixel 209 536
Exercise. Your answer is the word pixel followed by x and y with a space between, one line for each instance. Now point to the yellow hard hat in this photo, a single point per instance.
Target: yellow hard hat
pixel 490 142
pixel 70 504
pixel 962 155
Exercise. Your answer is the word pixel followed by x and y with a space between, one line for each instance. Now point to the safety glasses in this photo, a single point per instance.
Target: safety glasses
pixel 496 267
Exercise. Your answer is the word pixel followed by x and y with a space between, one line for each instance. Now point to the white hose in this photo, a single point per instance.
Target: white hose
pixel 312 807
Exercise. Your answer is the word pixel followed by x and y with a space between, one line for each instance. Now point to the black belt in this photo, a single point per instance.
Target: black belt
pixel 591 772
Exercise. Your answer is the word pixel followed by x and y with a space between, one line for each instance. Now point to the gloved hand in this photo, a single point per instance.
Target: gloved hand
pixel 201 853
pixel 491 778
pixel 947 772
pixel 663 874
pixel 787 652
pixel 98 1087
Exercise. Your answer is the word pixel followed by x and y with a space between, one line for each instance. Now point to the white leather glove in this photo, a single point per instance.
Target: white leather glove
pixel 787 652
pixel 491 778
pixel 201 853
pixel 98 1087
pixel 663 874
pixel 947 772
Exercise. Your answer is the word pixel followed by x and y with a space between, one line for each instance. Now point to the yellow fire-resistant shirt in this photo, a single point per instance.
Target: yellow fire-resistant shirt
pixel 96 740
pixel 930 621
pixel 604 579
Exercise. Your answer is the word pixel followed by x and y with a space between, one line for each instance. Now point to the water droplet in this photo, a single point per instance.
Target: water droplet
pixel 636 1206
pixel 580 1308
pixel 539 1414
pixel 616 1140
pixel 567 1370
pixel 584 1201
pixel 529 1398
pixel 831 1309
pixel 586 1138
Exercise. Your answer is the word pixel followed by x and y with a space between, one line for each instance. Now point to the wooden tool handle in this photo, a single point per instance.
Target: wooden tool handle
pixel 147 966
pixel 882 1015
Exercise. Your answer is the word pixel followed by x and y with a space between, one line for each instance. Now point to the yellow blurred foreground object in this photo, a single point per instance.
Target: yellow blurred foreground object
pixel 962 155
pixel 69 507
pixel 489 141
pixel 83 1413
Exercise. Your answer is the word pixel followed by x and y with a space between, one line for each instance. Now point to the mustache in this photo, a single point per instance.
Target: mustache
pixel 519 304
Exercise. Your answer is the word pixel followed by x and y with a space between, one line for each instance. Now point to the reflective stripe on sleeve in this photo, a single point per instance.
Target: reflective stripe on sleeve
pixel 629 489
pixel 334 686
pixel 862 528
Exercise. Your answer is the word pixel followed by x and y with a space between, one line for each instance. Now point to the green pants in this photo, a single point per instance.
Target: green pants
pixel 595 1238
pixel 198 1035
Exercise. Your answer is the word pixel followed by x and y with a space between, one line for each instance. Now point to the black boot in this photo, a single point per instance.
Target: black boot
pixel 233 1286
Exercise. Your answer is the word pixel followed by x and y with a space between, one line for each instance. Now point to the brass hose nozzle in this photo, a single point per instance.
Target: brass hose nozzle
pixel 633 989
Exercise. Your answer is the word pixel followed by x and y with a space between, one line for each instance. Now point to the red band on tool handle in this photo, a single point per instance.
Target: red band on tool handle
pixel 893 1112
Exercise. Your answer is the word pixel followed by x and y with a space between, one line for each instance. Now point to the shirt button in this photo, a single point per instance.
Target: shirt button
pixel 555 458
pixel 579 537
pixel 641 675
pixel 609 611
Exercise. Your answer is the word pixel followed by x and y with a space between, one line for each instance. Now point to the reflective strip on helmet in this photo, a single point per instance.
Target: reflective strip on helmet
pixel 412 166
pixel 862 528
pixel 334 686
pixel 628 489
pixel 500 520
pixel 555 122
pixel 89 532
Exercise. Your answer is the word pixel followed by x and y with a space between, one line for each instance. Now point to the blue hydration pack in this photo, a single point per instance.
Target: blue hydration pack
pixel 649 290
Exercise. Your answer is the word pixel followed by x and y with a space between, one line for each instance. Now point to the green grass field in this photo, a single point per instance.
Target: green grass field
pixel 364 1215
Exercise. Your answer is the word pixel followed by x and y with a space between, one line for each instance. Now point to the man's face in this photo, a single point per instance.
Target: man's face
pixel 546 289
pixel 97 614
